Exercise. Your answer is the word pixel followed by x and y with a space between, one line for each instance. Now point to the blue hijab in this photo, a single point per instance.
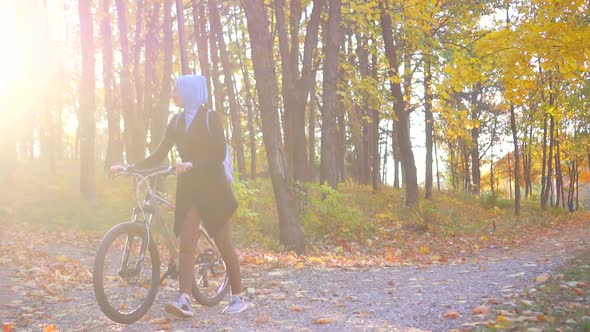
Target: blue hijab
pixel 193 93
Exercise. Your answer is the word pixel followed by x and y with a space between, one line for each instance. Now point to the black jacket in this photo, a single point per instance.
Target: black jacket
pixel 205 186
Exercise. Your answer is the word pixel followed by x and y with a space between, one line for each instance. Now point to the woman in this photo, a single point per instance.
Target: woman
pixel 203 193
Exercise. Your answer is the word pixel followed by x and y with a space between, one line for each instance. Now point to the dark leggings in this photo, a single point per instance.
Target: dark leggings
pixel 189 236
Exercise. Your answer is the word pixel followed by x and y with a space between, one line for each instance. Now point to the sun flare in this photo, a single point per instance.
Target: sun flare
pixel 11 57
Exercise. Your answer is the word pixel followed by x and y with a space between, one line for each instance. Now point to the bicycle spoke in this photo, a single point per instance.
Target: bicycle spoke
pixel 126 287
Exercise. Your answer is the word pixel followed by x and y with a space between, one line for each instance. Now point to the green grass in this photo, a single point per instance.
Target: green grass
pixel 354 213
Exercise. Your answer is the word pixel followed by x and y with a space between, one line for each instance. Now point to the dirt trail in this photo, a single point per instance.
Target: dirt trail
pixel 387 299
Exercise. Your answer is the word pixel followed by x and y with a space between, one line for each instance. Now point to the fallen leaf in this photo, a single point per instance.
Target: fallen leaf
pixel 500 319
pixel 50 328
pixel 494 301
pixel 364 314
pixel 163 320
pixel 122 306
pixel 7 327
pixel 451 314
pixel 542 278
pixel 481 310
pixel 262 319
pixel 297 308
pixel 324 320
pixel 579 291
pixel 519 274
pixel 165 327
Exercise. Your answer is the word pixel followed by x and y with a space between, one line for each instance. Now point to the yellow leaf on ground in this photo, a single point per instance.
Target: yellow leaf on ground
pixel 62 259
pixel 324 320
pixel 424 249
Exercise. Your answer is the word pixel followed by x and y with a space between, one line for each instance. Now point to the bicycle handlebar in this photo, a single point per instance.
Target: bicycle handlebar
pixel 146 173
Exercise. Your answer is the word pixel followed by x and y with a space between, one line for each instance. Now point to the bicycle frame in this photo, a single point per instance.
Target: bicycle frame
pixel 150 212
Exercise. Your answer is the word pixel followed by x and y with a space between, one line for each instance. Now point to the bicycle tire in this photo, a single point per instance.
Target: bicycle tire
pixel 220 291
pixel 98 274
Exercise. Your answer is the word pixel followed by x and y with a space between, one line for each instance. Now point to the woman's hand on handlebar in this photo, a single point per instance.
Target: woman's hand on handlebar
pixel 183 167
pixel 117 169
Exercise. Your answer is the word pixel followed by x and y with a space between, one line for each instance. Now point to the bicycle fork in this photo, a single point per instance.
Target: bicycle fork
pixel 125 271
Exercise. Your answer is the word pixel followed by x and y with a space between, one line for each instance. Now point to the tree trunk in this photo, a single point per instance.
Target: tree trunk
pixel 161 112
pixel 261 40
pixel 182 38
pixel 548 181
pixel 492 171
pixel 403 115
pixel 295 85
pixel 311 132
pixel 395 155
pixel 201 35
pixel 475 115
pixel 428 124
pixel 87 102
pixel 142 117
pixel 149 106
pixel 516 162
pixel 375 157
pixel 330 98
pixel 436 162
pixel 364 154
pixel 114 154
pixel 509 176
pixel 238 143
pixel 249 104
pixel 217 87
pixel 132 144
pixel 341 151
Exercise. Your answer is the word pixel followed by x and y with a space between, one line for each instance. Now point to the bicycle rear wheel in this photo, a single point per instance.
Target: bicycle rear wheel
pixel 211 281
pixel 125 285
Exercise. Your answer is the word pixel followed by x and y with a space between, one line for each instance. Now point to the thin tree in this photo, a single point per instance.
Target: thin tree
pixel 234 109
pixel 516 162
pixel 132 144
pixel 330 97
pixel 183 51
pixel 403 116
pixel 114 154
pixel 87 123
pixel 429 125
pixel 161 111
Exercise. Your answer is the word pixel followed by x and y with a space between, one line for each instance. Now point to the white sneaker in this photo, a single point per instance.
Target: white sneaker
pixel 180 307
pixel 236 305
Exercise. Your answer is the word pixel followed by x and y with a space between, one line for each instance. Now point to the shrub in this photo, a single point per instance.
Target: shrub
pixel 330 214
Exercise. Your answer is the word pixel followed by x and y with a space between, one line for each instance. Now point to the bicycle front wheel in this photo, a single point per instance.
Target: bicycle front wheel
pixel 211 281
pixel 126 273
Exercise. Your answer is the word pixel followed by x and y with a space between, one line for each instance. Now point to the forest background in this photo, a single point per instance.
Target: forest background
pixel 372 126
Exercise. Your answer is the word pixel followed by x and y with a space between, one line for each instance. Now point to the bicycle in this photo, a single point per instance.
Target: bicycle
pixel 126 287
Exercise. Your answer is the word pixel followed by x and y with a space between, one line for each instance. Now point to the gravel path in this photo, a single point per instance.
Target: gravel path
pixel 387 299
